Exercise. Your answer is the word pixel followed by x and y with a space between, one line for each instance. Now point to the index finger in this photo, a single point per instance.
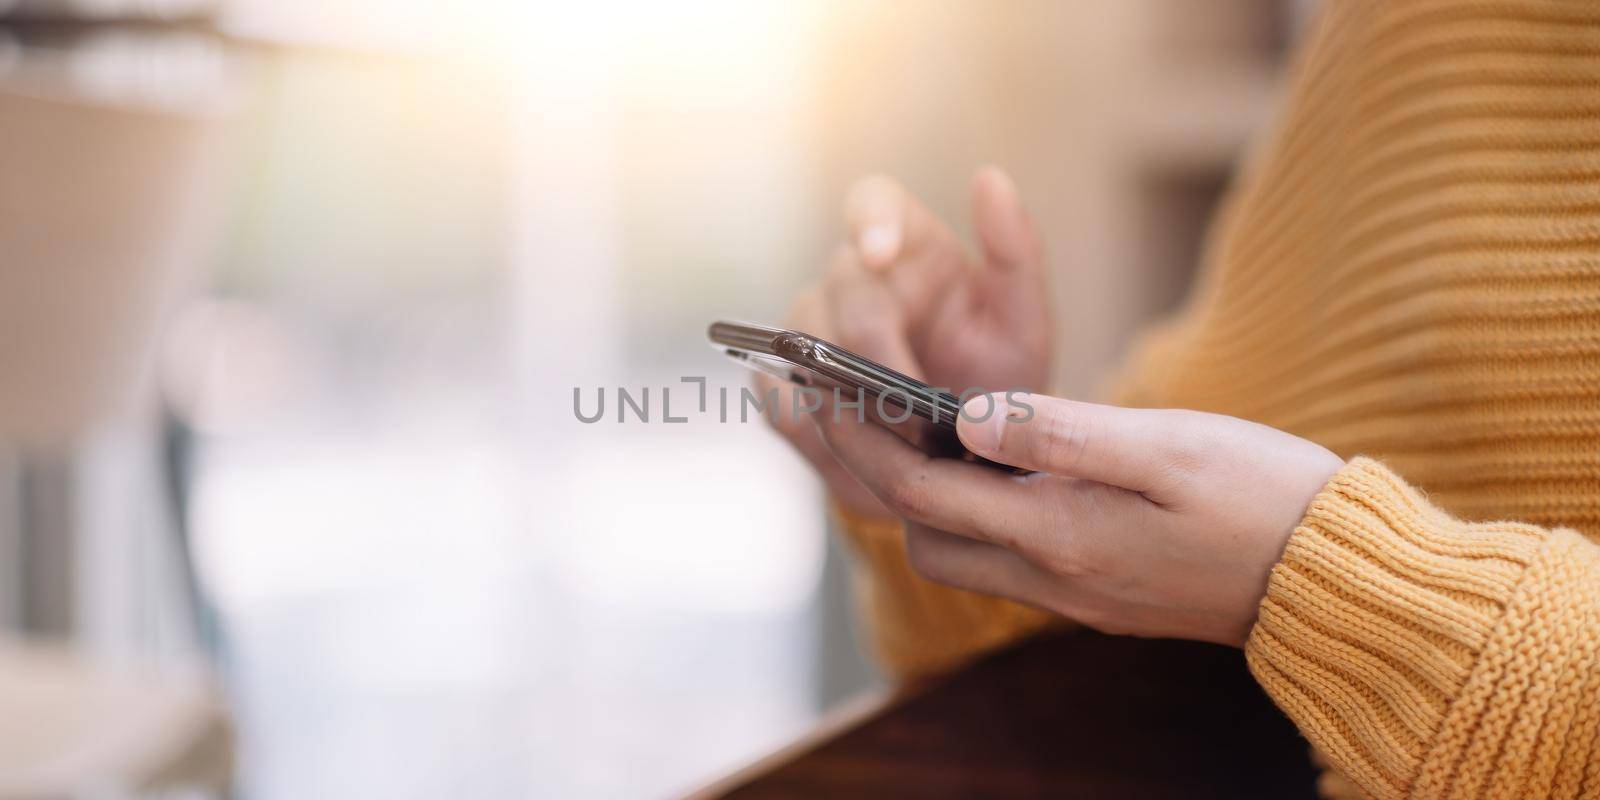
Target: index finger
pixel 888 224
pixel 944 493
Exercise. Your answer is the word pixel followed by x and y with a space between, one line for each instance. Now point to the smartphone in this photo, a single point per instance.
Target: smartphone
pixel 809 361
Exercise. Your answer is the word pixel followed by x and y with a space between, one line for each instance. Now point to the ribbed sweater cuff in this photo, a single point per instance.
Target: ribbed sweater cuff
pixel 1377 618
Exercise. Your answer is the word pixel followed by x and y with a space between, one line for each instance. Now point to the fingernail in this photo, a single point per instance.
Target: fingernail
pixel 880 242
pixel 983 419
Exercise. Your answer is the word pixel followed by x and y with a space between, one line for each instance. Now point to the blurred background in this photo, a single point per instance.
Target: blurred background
pixel 294 297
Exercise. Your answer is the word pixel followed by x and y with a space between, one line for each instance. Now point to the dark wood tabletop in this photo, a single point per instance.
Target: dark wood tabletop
pixel 1065 715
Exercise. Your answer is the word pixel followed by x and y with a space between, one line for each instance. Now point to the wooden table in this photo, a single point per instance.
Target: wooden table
pixel 1066 715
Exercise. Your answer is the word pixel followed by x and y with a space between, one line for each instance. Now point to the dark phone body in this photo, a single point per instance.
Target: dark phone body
pixel 808 361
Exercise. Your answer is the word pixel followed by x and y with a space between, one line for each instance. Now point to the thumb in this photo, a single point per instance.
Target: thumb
pixel 1008 235
pixel 1123 447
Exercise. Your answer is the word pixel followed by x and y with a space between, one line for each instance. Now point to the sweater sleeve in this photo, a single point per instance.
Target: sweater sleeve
pixel 1430 657
pixel 918 627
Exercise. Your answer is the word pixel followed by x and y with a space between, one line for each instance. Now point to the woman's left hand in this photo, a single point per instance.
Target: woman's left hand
pixel 1161 523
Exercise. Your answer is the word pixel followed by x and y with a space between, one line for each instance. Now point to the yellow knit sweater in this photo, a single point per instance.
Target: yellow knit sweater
pixel 1408 272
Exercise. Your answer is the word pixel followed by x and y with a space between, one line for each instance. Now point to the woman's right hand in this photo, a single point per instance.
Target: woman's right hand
pixel 903 291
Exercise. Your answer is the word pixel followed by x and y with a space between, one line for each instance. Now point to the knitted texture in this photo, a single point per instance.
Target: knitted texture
pixel 1432 657
pixel 1408 267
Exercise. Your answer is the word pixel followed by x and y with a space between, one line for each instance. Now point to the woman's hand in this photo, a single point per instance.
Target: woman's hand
pixel 904 291
pixel 912 285
pixel 1158 523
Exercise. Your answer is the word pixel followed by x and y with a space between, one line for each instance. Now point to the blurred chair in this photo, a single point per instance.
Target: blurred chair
pixel 105 162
